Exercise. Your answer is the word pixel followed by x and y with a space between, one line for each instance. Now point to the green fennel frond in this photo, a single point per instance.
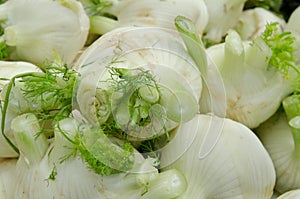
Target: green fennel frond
pixel 48 94
pixel 128 79
pixel 97 7
pixel 53 174
pixel 3 47
pixel 281 44
pixel 129 82
pixel 283 57
pixel 151 148
pixel 111 128
pixel 136 96
pixel 102 155
pixel 3 50
pixel 53 90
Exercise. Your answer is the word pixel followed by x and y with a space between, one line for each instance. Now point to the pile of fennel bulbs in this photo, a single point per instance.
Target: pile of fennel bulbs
pixel 140 99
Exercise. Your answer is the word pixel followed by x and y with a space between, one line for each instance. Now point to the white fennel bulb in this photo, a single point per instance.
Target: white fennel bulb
pixel 220 158
pixel 293 25
pixel 293 194
pixel 71 174
pixel 7 177
pixel 32 168
pixel 252 22
pixel 60 167
pixel 223 15
pixel 111 71
pixel 256 75
pixel 8 69
pixel 37 31
pixel 46 170
pixel 77 179
pixel 280 136
pixel 161 13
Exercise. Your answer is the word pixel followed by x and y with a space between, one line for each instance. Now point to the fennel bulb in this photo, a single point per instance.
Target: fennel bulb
pixel 161 13
pixel 293 26
pixel 213 93
pixel 292 23
pixel 293 194
pixel 40 30
pixel 45 93
pixel 40 91
pixel 220 158
pixel 47 170
pixel 32 169
pixel 126 68
pixel 256 74
pixel 223 15
pixel 252 22
pixel 280 133
pixel 7 177
pixel 8 70
pixel 142 181
pixel 280 136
